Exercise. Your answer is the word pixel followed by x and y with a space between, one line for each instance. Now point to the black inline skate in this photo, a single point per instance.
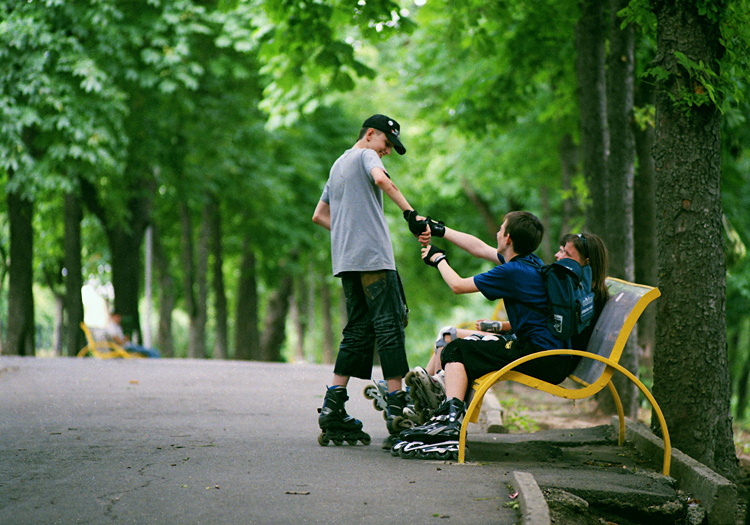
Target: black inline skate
pixel 436 439
pixel 336 424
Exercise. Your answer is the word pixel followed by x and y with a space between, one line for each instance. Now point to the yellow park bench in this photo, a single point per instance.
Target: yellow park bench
pixel 103 349
pixel 601 358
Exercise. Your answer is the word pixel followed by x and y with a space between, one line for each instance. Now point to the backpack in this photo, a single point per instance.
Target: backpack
pixel 569 297
pixel 571 301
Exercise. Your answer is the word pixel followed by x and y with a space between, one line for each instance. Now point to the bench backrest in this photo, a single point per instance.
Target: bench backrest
pixel 626 304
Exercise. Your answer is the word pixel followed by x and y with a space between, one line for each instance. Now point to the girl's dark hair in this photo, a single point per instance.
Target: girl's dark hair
pixel 592 247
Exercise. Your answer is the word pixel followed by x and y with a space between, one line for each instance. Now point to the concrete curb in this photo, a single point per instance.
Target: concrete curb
pixel 717 495
pixel 533 506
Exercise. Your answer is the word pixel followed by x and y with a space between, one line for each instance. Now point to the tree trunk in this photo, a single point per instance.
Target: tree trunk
pixel 188 277
pixel 274 327
pixel 125 240
pixel 4 265
pixel 221 341
pixel 644 221
pixel 201 279
pixel 328 352
pixel 165 341
pixel 490 221
pixel 246 335
pixel 125 245
pixel 74 338
pixel 569 167
pixel 621 170
pixel 691 372
pixel 592 102
pixel 297 312
pixel 742 353
pixel 20 332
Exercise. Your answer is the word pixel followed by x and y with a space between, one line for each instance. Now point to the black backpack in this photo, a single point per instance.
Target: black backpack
pixel 569 297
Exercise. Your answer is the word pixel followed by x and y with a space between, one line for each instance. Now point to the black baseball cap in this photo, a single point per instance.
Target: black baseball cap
pixel 388 126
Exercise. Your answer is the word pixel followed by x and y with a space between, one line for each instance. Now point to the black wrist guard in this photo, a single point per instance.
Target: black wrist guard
pixel 437 228
pixel 434 251
pixel 415 226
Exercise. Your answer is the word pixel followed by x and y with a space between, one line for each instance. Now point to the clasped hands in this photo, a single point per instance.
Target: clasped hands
pixel 424 228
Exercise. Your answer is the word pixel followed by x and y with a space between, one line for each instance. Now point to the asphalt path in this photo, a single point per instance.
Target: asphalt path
pixel 173 441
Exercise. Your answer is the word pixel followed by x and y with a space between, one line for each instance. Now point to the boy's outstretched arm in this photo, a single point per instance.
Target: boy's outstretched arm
pixel 472 245
pixel 458 285
pixel 389 188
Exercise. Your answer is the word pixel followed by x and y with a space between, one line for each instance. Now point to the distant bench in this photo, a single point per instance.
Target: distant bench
pixel 601 358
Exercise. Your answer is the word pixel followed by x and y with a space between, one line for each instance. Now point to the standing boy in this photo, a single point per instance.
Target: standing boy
pixel 351 207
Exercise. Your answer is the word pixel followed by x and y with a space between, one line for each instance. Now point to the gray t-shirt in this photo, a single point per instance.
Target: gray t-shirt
pixel 360 239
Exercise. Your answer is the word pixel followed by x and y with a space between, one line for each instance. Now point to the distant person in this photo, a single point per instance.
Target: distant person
pixel 351 208
pixel 113 332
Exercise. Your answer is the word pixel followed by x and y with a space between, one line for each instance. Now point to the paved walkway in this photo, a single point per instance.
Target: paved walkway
pixel 225 442
pixel 210 442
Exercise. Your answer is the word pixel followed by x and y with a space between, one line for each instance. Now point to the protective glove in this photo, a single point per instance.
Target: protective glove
pixel 417 227
pixel 437 228
pixel 427 258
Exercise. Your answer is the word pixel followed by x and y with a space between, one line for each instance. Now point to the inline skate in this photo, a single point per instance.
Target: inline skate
pixel 436 439
pixel 428 392
pixel 336 425
pixel 408 417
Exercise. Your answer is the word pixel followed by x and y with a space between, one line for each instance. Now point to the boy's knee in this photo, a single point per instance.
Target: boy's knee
pixel 451 353
pixel 445 336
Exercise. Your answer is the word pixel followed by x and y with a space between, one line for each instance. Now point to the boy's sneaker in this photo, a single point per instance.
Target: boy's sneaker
pixel 428 392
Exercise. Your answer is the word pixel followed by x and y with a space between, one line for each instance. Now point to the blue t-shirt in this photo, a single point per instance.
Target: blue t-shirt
pixel 520 285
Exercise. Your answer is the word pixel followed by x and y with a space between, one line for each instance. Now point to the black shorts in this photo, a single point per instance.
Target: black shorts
pixel 482 357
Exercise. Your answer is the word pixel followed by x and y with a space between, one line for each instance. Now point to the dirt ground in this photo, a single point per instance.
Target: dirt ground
pixel 528 410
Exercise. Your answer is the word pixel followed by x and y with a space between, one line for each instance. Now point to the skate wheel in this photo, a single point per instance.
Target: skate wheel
pixel 407 453
pixel 351 441
pixel 365 439
pixel 338 442
pixel 322 440
pixel 446 455
pixel 371 392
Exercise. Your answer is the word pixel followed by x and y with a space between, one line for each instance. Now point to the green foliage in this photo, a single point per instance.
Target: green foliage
pixel 58 108
pixel 316 41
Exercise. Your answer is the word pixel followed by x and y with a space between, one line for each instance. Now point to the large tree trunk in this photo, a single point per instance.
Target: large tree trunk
pixel 691 373
pixel 274 327
pixel 621 170
pixel 644 221
pixel 74 336
pixel 20 332
pixel 165 341
pixel 592 103
pixel 221 341
pixel 246 334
